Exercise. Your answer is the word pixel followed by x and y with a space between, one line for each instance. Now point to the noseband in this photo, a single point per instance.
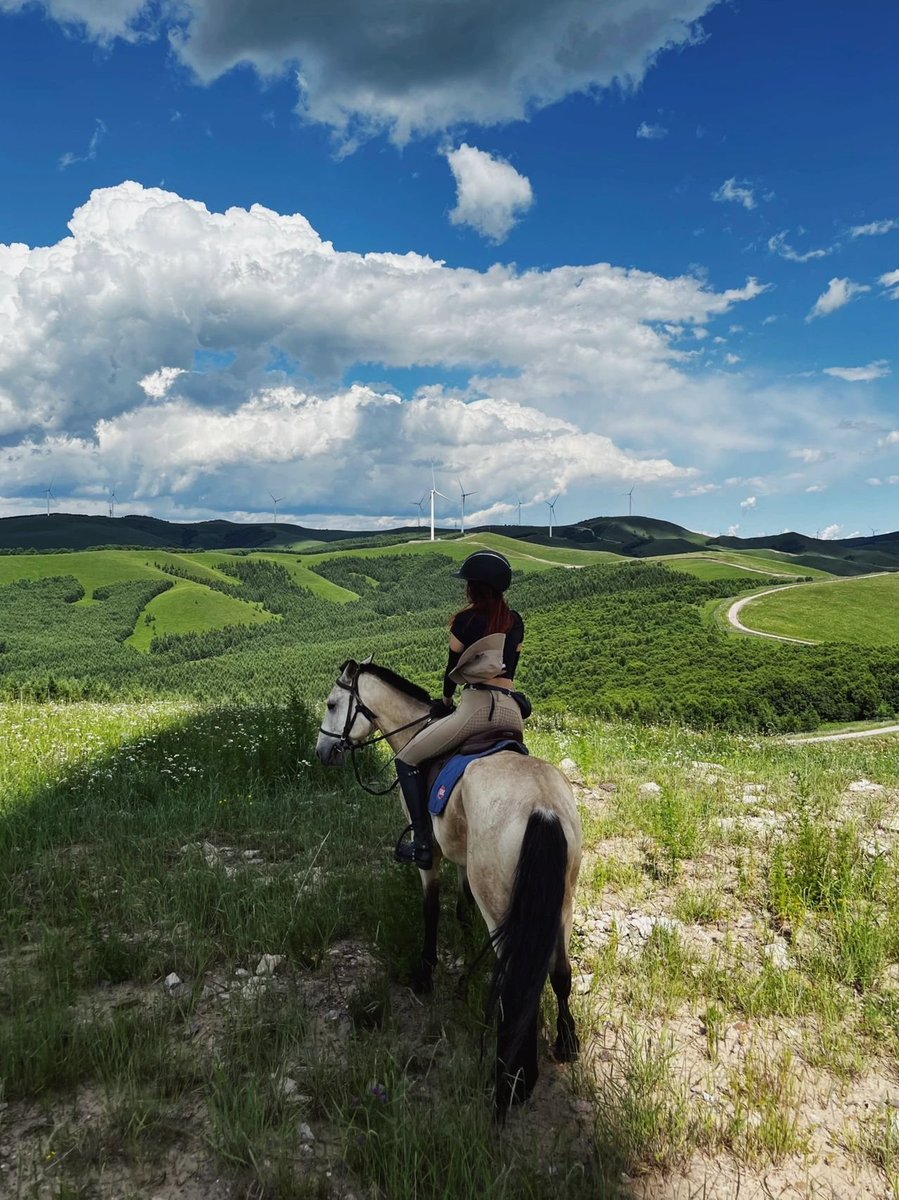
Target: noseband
pixel 345 743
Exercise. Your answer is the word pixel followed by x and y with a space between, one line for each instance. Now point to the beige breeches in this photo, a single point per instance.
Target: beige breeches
pixel 472 715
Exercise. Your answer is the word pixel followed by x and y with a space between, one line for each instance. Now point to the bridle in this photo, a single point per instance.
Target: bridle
pixel 345 742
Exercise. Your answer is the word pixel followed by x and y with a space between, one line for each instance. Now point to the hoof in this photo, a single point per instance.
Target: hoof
pixel 566 1049
pixel 422 980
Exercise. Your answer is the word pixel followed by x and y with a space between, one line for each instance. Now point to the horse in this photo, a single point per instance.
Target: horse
pixel 512 828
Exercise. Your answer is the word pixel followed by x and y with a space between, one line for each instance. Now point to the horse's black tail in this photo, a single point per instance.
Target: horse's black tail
pixel 525 942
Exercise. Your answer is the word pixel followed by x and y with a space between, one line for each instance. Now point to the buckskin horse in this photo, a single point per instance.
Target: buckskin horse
pixel 512 828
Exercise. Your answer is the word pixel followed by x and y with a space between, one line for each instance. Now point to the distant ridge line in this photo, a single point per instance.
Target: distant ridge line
pixel 628 536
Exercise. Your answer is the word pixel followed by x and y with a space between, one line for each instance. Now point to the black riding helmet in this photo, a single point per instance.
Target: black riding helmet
pixel 486 566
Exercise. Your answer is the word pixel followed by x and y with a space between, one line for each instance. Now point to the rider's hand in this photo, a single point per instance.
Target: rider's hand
pixel 440 708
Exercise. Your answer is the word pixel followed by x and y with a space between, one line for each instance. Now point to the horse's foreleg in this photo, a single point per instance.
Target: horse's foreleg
pixel 567 1044
pixel 423 975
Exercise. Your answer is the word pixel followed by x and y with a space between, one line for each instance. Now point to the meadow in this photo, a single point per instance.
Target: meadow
pixel 862 611
pixel 206 955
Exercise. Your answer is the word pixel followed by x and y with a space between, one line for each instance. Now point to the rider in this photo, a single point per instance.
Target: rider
pixel 484 646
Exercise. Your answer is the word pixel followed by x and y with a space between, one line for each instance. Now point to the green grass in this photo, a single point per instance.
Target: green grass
pixel 190 607
pixel 522 555
pixel 861 610
pixel 734 563
pixel 92 568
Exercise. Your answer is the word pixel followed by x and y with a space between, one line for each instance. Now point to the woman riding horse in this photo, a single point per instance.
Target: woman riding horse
pixel 484 647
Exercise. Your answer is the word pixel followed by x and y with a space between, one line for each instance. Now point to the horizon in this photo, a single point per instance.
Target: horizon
pixel 450 529
pixel 314 260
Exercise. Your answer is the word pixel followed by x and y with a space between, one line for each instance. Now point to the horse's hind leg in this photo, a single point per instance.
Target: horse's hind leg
pixel 464 900
pixel 516 1067
pixel 423 974
pixel 567 1045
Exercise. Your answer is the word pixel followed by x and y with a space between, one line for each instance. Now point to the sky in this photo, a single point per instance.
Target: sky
pixel 548 248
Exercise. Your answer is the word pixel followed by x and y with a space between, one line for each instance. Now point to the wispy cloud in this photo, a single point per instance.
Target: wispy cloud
pixel 891 281
pixel 740 193
pixel 67 159
pixel 778 244
pixel 749 502
pixel 809 455
pixel 874 370
pixel 874 228
pixel 652 133
pixel 839 293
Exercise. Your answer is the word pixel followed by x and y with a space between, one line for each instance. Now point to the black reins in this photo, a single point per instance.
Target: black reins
pixel 345 742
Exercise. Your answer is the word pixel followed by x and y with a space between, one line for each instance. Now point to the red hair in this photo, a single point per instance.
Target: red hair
pixel 491 604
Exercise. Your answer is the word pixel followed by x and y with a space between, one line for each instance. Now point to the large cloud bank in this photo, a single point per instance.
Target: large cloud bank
pixel 408 67
pixel 100 333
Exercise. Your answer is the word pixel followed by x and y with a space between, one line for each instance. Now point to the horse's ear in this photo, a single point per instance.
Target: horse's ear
pixel 349 667
pixel 366 661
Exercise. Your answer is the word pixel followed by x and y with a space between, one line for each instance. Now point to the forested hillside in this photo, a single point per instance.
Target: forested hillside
pixel 631 640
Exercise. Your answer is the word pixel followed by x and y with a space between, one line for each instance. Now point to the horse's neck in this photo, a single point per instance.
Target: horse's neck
pixel 392 708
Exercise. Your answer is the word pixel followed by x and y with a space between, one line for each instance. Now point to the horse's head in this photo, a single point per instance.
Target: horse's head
pixel 347 720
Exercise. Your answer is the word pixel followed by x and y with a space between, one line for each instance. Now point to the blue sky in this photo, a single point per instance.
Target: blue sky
pixel 560 247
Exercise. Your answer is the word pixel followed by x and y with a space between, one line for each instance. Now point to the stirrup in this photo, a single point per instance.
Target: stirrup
pixel 408 851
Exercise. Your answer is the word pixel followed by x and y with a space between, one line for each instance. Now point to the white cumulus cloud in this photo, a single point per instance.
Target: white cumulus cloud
pixel 830 532
pixel 838 294
pixel 749 502
pixel 874 370
pixel 158 321
pixel 651 133
pixel 490 194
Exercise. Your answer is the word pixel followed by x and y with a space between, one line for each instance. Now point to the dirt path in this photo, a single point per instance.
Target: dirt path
pixel 733 616
pixel 843 737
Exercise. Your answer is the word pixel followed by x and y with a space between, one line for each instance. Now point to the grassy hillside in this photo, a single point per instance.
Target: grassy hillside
pixel 192 608
pixel 863 611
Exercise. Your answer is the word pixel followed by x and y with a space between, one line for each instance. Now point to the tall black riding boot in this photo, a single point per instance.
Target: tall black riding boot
pixel 420 850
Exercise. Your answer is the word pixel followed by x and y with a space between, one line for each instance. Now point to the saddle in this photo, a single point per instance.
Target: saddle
pixel 445 771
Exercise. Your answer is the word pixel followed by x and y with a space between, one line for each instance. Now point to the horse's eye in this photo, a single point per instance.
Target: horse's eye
pixel 332 704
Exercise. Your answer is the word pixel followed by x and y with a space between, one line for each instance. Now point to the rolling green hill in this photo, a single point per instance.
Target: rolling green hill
pixel 862 611
pixel 592 540
pixel 192 608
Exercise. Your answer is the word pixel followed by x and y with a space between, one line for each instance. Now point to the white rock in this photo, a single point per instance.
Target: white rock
pixel 571 770
pixel 777 954
pixel 306 1134
pixel 242 973
pixel 865 786
pixel 698 765
pixel 876 846
pixel 269 964
pixel 754 789
pixel 582 984
pixel 254 987
pixel 251 854
pixel 650 789
pixel 172 981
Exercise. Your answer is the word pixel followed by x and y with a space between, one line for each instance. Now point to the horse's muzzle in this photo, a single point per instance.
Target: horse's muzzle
pixel 331 750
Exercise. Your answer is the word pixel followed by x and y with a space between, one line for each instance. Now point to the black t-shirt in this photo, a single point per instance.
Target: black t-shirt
pixel 469 627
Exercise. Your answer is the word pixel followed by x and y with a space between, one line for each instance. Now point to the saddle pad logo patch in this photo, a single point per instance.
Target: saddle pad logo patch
pixel 441 792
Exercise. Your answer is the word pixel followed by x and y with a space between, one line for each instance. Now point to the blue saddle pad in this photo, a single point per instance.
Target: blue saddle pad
pixel 452 772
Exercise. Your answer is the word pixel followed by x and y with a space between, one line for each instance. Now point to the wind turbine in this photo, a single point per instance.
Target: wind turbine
pixel 434 493
pixel 421 508
pixel 112 500
pixel 464 495
pixel 630 501
pixel 276 500
pixel 50 496
pixel 551 505
pixel 519 510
